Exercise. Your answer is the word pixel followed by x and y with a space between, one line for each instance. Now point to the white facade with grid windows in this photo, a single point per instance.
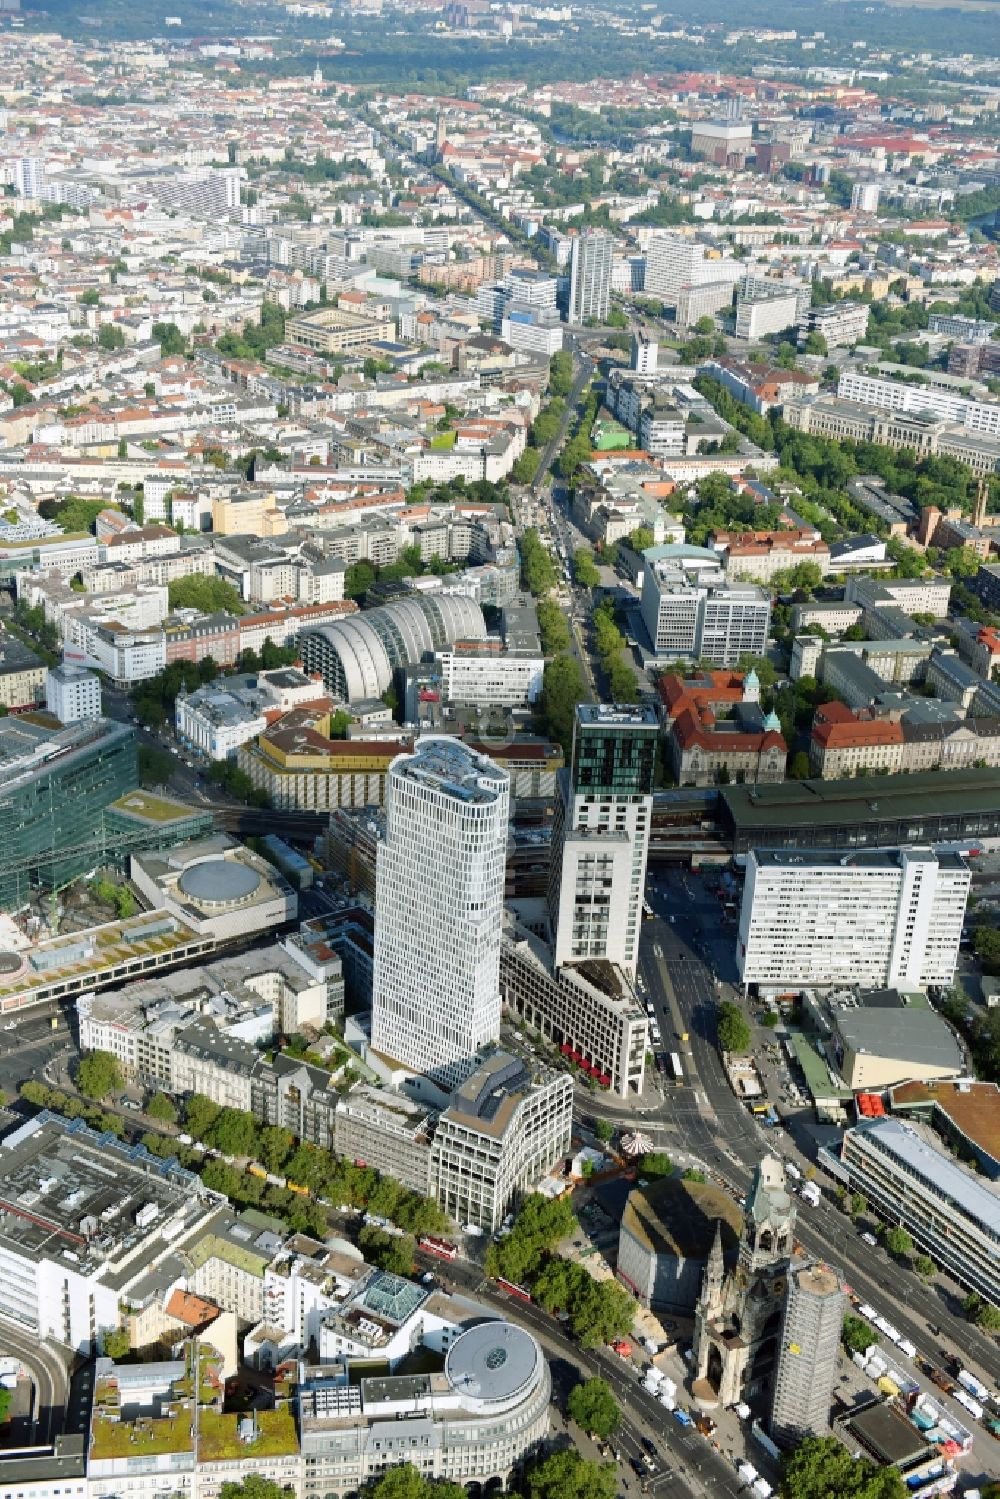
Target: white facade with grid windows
pixel 690 609
pixel 438 909
pixel 889 918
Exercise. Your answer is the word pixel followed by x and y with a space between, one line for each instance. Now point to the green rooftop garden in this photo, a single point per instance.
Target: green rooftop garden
pixel 211 1247
pixel 218 1437
pixel 147 1436
pixel 151 808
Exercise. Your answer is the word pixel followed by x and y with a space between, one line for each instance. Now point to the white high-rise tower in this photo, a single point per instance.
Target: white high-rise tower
pixel 438 909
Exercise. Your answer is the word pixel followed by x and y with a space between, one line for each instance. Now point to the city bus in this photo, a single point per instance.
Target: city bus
pixel 675 1067
pixel 441 1247
pixel 521 1292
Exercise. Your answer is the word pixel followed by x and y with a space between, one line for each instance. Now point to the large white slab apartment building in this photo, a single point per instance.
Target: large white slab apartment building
pixel 885 918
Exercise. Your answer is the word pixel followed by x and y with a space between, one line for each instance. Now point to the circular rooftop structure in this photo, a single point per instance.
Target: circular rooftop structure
pixel 11 963
pixel 219 882
pixel 495 1363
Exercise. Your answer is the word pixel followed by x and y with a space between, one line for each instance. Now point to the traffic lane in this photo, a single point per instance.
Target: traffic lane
pixel 27 1063
pixel 47 1372
pixel 745 1141
pixel 913 1307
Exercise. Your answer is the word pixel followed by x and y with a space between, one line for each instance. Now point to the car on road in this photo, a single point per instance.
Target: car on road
pixel 682 1418
pixel 638 1466
pixel 648 1445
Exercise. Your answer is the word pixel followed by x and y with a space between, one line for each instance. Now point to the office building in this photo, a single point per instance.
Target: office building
pixel 389 1132
pixel 79 1209
pixel 28 176
pixel 275 990
pixel 952 1214
pixel 502 1132
pixel 357 655
pixel 864 197
pixel 301 769
pixel 486 1413
pixel 674 260
pixel 726 142
pixel 600 838
pixel 438 909
pixel 22 675
pixel 334 330
pixel 55 787
pixel 815 1306
pixel 840 323
pixel 661 427
pixel 645 354
pixel 590 1010
pixel 482 674
pixel 968 330
pixel 759 316
pixel 691 611
pixel 214 720
pixel 898 395
pixel 882 919
pixel 590 276
pixel 698 299
pixel 532 331
pixel 72 693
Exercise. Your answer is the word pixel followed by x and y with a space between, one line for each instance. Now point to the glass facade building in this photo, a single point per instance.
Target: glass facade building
pixel 55 787
pixel 600 836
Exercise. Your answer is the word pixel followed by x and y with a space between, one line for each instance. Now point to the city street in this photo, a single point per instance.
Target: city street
pixel 704 1114
pixel 48 1367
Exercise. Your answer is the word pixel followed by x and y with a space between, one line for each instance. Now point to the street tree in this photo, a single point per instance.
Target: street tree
pixel 234 1132
pixel 392 1252
pixel 593 1406
pixel 160 1107
pixel 567 1475
pixel 857 1335
pixel 898 1242
pixel 584 569
pixel 821 1467
pixel 99 1074
pixel 200 1113
pixel 733 1029
pixel 253 1487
